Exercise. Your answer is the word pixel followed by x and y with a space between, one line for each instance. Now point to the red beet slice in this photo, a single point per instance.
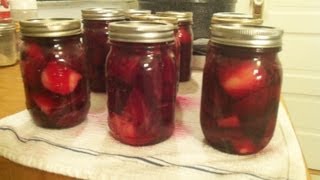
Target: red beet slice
pixel 134 120
pixel 150 81
pixel 59 78
pixel 122 126
pixel 229 122
pixel 244 146
pixel 46 103
pixel 136 109
pixel 118 93
pixel 125 67
pixel 34 52
pixel 257 103
pixel 241 78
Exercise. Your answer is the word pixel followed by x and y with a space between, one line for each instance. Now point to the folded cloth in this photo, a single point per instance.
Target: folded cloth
pixel 87 151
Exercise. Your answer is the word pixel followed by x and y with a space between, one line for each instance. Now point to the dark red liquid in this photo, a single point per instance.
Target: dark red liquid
pixel 186 37
pixel 55 80
pixel 240 97
pixel 141 89
pixel 95 39
pixel 177 50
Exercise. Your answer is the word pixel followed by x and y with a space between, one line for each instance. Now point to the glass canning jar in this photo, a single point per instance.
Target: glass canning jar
pixel 185 34
pixel 241 87
pixel 141 82
pixel 54 72
pixel 95 38
pixel 174 22
pixel 8 44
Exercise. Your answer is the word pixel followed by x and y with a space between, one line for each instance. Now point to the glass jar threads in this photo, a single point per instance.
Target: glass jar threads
pixel 8 44
pixel 95 38
pixel 241 87
pixel 234 18
pixel 54 72
pixel 185 33
pixel 131 12
pixel 141 82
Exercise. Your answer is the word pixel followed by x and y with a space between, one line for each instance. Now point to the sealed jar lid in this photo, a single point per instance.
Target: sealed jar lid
pixel 102 14
pixel 130 12
pixel 235 18
pixel 141 31
pixel 7 27
pixel 181 16
pixel 246 35
pixel 52 27
pixel 150 17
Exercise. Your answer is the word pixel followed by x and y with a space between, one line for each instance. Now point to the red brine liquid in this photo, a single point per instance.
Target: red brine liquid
pixel 240 98
pixel 141 89
pixel 95 39
pixel 55 80
pixel 186 37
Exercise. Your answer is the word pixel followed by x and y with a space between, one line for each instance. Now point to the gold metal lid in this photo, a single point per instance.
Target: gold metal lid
pixel 130 12
pixel 235 18
pixel 107 14
pixel 155 18
pixel 141 31
pixel 7 27
pixel 181 16
pixel 246 35
pixel 52 27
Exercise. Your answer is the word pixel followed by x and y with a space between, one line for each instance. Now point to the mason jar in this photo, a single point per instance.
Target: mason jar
pixel 95 38
pixel 241 87
pixel 54 72
pixel 185 34
pixel 8 44
pixel 141 82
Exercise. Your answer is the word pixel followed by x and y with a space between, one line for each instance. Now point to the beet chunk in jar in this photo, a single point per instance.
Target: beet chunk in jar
pixel 95 38
pixel 54 72
pixel 241 87
pixel 141 82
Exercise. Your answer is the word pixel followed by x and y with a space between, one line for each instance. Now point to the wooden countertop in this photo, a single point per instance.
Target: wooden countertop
pixel 12 100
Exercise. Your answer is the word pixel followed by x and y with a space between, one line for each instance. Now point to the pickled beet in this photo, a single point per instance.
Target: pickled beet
pixel 141 88
pixel 55 80
pixel 240 98
pixel 59 78
pixel 241 77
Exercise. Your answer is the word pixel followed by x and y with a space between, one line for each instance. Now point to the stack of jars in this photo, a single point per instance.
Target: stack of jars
pixel 138 63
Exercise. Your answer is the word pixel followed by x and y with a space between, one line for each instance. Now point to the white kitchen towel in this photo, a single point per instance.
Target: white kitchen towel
pixel 87 151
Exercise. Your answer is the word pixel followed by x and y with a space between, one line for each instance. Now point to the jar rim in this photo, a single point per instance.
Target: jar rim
pixel 155 18
pixel 181 16
pixel 246 35
pixel 50 27
pixel 7 27
pixel 102 14
pixel 141 31
pixel 131 12
pixel 234 17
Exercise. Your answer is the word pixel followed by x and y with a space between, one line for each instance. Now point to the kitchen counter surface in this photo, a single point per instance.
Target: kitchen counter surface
pixel 12 100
